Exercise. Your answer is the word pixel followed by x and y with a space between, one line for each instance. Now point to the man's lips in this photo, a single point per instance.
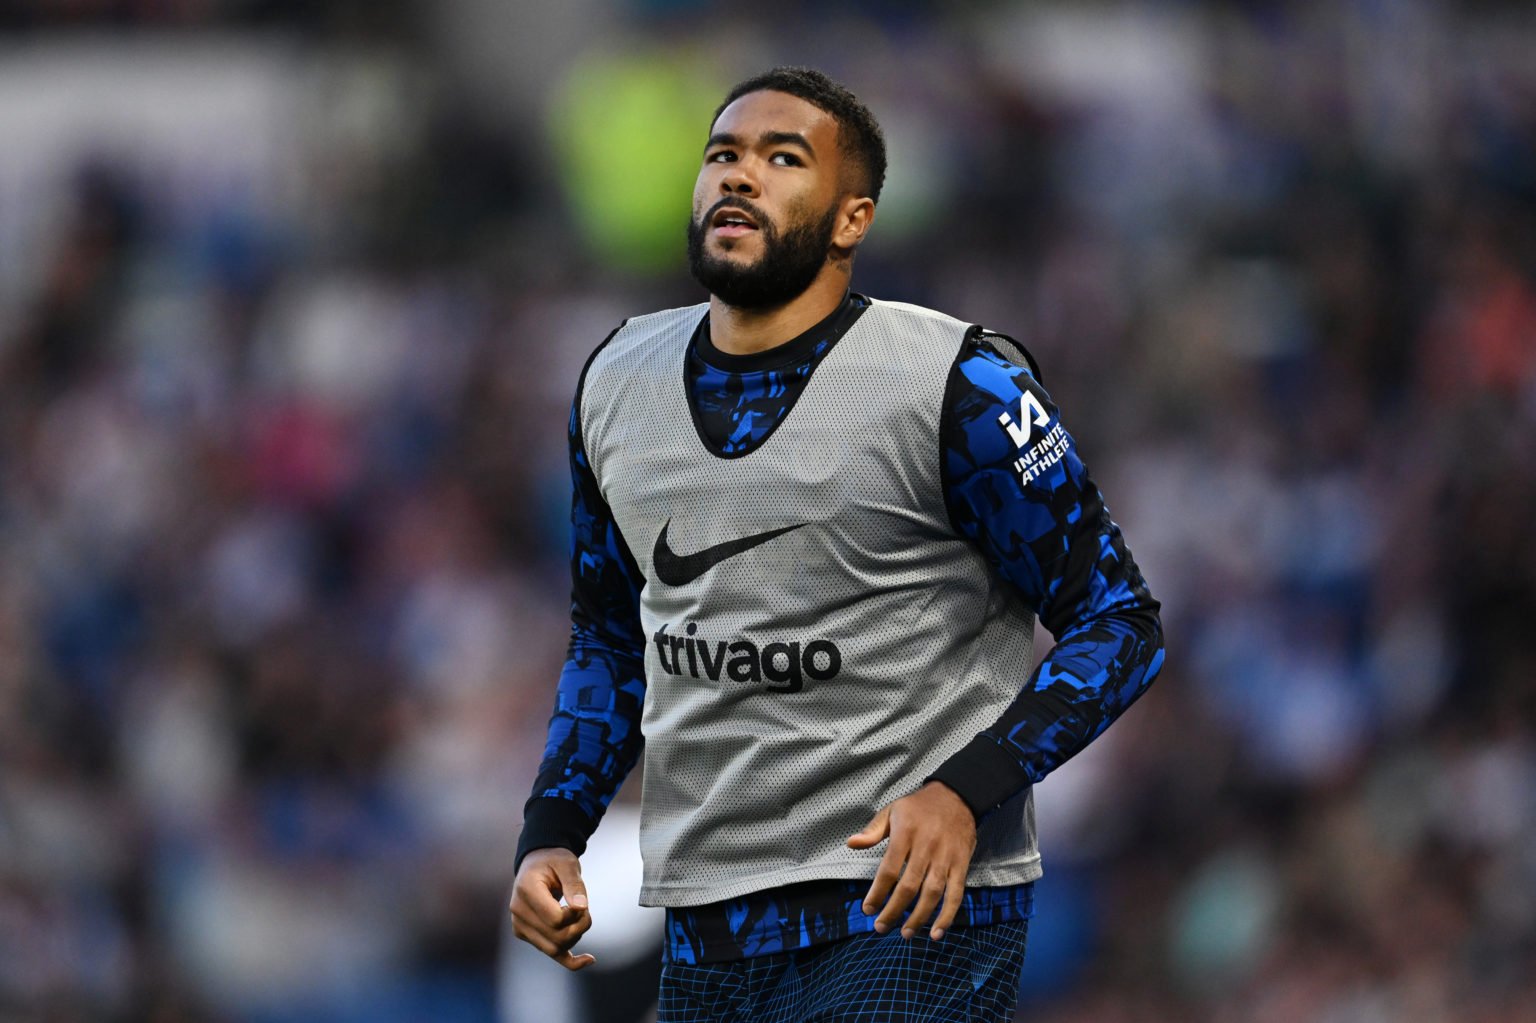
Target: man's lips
pixel 731 222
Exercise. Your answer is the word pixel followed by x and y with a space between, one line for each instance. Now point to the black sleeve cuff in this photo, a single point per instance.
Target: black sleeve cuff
pixel 983 774
pixel 553 823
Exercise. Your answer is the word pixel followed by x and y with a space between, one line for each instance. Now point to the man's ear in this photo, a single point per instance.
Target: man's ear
pixel 854 219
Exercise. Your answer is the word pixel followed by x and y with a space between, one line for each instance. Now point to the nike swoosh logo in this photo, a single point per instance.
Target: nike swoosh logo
pixel 682 569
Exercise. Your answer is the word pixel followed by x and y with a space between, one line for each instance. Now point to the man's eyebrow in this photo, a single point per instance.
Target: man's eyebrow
pixel 768 138
pixel 787 138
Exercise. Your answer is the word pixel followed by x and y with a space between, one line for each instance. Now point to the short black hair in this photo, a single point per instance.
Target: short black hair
pixel 858 133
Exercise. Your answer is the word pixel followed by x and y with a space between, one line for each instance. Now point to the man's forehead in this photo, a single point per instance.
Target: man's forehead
pixel 770 111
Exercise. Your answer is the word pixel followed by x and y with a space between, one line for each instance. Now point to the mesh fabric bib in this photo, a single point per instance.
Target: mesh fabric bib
pixel 819 637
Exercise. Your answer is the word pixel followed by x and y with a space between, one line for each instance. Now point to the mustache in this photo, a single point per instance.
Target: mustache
pixel 735 202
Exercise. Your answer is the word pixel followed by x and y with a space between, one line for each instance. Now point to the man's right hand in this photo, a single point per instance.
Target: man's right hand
pixel 537 915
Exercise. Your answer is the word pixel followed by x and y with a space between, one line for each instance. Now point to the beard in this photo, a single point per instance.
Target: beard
pixel 789 263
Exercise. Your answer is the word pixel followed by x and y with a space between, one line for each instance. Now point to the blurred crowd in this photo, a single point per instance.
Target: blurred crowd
pixel 291 313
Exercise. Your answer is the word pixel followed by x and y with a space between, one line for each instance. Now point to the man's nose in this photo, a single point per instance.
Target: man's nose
pixel 738 181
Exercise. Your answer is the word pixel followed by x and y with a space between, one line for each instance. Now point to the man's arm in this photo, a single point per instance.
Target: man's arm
pixel 1019 491
pixel 1016 488
pixel 594 734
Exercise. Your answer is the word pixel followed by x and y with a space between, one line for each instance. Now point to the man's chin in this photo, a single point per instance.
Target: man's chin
pixel 740 291
pixel 739 251
pixel 733 265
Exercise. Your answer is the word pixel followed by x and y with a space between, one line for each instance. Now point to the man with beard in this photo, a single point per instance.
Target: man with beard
pixel 811 532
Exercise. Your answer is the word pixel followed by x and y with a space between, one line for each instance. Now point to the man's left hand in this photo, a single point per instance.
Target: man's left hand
pixel 933 835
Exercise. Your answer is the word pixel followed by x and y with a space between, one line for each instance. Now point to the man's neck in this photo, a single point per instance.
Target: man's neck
pixel 749 331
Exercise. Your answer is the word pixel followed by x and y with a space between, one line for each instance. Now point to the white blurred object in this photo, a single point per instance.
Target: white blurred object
pixel 612 871
pixel 178 745
pixel 252 935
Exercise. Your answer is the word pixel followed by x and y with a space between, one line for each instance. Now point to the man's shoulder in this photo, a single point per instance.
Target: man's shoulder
pixel 912 313
pixel 913 337
pixel 650 324
pixel 990 352
pixel 640 335
pixel 982 344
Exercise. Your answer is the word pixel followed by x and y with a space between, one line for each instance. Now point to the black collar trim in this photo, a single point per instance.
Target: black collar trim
pixel 795 350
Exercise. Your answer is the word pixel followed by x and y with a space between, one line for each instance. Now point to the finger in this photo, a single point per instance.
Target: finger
pixel 575 961
pixel 539 940
pixel 536 899
pixel 559 951
pixel 873 833
pixel 902 895
pixel 927 900
pixel 571 886
pixel 551 941
pixel 564 932
pixel 887 874
pixel 954 893
pixel 567 934
pixel 572 915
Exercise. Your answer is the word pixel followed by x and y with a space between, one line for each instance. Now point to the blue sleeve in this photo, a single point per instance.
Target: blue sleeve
pixel 1017 489
pixel 594 735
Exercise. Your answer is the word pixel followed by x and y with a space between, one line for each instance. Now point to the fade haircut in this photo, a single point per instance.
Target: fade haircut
pixel 858 133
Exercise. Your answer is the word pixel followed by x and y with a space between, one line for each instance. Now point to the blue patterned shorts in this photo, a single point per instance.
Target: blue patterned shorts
pixel 972 976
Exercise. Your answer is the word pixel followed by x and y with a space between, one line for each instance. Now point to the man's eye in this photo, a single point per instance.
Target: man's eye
pixel 786 159
pixel 723 156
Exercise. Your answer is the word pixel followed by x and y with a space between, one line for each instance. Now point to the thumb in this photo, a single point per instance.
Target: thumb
pixel 874 832
pixel 571 885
